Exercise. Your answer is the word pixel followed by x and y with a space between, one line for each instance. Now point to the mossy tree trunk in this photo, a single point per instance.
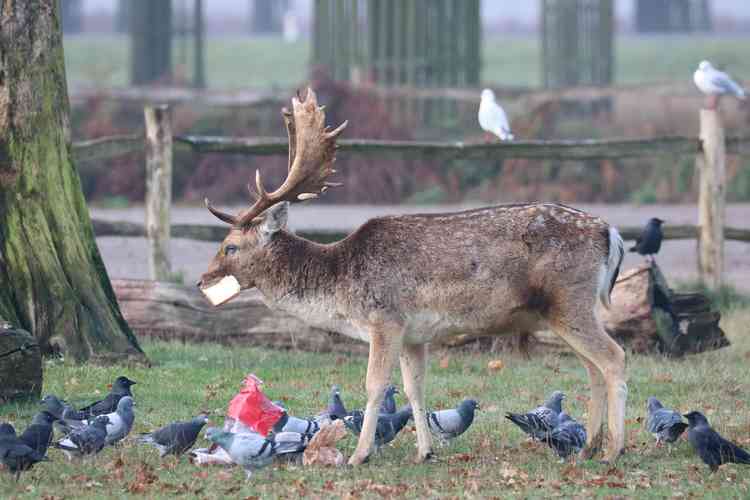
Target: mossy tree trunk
pixel 52 279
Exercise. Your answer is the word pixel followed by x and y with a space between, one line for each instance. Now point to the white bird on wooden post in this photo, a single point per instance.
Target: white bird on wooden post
pixel 715 83
pixel 492 117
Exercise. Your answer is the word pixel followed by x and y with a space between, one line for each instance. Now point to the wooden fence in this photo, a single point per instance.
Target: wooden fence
pixel 710 150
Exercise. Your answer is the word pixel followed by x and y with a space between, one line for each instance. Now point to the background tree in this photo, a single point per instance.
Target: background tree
pixel 151 41
pixel 71 12
pixel 52 279
pixel 266 15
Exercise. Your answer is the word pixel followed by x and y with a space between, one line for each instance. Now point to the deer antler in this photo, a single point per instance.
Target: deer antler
pixel 312 151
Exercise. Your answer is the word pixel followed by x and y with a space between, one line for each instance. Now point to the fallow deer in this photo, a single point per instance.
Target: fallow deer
pixel 402 282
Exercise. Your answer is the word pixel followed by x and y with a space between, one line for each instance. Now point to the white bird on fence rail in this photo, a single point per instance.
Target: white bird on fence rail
pixel 492 117
pixel 715 83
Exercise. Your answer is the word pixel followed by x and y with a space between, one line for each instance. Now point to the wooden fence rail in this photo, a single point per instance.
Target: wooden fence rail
pixel 540 150
pixel 211 232
pixel 106 147
pixel 711 233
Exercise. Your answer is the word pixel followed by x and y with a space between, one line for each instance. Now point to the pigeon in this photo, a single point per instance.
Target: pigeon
pixel 120 421
pixel 335 409
pixel 288 423
pixel 541 420
pixel 389 424
pixel 713 449
pixel 492 117
pixel 16 455
pixel 649 242
pixel 389 401
pixel 252 451
pixel 714 83
pixel 38 435
pixel 568 437
pixel 120 389
pixel 449 424
pixel 88 440
pixel 67 418
pixel 664 424
pixel 175 438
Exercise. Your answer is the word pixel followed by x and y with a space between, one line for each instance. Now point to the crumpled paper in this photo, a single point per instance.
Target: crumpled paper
pixel 322 447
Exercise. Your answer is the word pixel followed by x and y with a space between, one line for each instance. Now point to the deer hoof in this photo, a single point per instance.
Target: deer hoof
pixel 424 457
pixel 589 452
pixel 359 459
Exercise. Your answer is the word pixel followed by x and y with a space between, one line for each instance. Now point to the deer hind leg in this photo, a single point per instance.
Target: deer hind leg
pixel 596 409
pixel 586 336
pixel 413 368
pixel 385 347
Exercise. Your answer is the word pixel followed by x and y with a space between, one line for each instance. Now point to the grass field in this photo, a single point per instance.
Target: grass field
pixel 491 460
pixel 233 62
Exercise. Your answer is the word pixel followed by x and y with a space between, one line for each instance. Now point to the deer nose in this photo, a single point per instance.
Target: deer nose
pixel 199 283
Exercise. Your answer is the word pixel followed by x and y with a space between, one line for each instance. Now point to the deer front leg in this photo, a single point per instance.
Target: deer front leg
pixel 385 346
pixel 413 367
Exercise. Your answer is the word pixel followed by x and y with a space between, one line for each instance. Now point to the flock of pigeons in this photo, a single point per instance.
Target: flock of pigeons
pixel 709 80
pixel 107 422
pixel 548 423
pixel 88 430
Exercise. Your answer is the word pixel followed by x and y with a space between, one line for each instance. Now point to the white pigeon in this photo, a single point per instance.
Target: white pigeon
pixel 713 82
pixel 492 117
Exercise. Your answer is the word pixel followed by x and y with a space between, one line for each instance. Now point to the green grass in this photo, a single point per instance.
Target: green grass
pixel 492 459
pixel 235 62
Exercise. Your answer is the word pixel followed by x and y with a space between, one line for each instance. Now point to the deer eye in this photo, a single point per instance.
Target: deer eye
pixel 230 249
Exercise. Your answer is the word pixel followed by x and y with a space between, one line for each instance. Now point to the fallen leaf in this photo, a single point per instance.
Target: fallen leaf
pixel 495 365
pixel 445 362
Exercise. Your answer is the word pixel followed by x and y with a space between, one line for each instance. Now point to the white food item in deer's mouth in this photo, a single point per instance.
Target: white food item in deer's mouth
pixel 223 291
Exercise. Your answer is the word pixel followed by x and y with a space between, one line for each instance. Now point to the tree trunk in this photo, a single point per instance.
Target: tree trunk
pixel 52 279
pixel 151 41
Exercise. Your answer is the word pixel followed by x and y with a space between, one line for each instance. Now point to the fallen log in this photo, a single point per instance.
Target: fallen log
pixel 646 317
pixel 175 312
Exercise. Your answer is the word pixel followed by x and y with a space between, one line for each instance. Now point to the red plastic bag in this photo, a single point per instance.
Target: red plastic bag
pixel 253 408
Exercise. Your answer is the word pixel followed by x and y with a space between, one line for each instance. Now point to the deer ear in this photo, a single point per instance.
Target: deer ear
pixel 274 219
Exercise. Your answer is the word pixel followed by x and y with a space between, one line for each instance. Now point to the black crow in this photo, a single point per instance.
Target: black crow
pixel 713 449
pixel 649 242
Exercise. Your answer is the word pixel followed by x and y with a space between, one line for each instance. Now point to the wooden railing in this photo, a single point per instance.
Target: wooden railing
pixel 710 234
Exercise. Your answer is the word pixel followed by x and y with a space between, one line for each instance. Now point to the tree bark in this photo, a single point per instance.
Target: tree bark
pixel 52 279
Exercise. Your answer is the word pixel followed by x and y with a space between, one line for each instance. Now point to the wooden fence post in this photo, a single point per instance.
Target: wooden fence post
pixel 711 198
pixel 158 189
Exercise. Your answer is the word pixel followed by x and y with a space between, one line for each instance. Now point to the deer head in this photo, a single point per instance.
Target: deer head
pixel 312 150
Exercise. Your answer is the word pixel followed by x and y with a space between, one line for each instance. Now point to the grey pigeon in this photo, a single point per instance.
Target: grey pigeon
pixel 541 420
pixel 568 437
pixel 252 451
pixel 389 401
pixel 38 435
pixel 448 424
pixel 288 423
pixel 67 417
pixel 649 242
pixel 88 440
pixel 120 389
pixel 120 421
pixel 335 409
pixel 175 438
pixel 389 424
pixel 16 455
pixel 713 449
pixel 664 424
